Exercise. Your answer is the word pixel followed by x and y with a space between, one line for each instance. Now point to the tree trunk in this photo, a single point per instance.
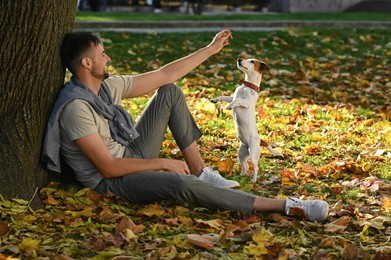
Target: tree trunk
pixel 31 75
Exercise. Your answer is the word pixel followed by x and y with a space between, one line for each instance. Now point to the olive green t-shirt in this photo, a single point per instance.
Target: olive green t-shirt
pixel 79 119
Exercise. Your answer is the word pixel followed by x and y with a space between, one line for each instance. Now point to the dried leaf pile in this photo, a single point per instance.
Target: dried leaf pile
pixel 326 102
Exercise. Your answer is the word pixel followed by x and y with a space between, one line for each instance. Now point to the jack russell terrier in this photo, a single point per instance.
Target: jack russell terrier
pixel 243 105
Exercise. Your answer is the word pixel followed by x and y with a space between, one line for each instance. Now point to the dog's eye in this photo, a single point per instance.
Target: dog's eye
pixel 251 61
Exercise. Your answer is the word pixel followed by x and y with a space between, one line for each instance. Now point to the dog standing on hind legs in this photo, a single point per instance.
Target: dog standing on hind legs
pixel 243 105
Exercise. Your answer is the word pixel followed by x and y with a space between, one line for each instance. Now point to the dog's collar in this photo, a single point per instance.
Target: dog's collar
pixel 249 84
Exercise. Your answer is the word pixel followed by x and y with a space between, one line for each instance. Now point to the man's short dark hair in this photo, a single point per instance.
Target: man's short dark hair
pixel 74 45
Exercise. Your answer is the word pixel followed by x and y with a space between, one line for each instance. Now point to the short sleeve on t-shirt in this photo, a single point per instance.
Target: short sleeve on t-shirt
pixel 77 119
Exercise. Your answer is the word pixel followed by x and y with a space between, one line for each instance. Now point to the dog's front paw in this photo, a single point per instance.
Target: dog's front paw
pixel 215 100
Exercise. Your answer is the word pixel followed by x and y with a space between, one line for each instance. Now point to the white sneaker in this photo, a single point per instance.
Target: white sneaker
pixel 315 210
pixel 214 177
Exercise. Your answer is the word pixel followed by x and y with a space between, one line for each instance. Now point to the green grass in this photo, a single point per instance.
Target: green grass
pixel 124 16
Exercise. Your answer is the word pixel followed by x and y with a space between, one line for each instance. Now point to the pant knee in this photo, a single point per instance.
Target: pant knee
pixel 172 90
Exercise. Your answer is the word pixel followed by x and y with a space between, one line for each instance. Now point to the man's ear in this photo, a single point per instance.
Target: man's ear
pixel 86 62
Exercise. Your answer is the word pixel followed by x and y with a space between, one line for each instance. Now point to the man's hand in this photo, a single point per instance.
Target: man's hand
pixel 220 40
pixel 177 166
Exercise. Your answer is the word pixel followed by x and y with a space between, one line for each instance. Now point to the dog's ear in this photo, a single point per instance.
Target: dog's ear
pixel 263 67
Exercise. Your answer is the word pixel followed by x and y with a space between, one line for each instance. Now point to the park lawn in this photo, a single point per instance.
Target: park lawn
pixel 139 16
pixel 325 101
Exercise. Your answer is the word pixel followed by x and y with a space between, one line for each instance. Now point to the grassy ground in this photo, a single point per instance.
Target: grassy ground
pixel 116 16
pixel 325 101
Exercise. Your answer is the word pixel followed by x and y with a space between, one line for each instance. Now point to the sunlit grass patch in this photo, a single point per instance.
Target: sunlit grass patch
pixel 353 194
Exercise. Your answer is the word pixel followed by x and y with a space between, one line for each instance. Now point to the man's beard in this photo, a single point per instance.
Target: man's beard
pixel 101 76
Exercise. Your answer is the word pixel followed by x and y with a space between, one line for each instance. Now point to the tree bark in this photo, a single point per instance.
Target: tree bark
pixel 31 75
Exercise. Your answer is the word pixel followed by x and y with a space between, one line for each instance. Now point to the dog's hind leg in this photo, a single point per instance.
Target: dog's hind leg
pixel 243 157
pixel 255 153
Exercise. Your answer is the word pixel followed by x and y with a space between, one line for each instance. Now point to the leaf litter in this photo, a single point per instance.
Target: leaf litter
pixel 325 102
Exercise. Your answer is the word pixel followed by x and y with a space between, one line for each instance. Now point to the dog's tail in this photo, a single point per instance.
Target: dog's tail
pixel 270 147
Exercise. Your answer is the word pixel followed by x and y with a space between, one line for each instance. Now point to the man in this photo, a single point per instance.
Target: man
pixel 97 138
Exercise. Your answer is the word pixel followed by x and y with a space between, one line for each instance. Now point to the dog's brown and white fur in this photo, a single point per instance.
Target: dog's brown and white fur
pixel 243 105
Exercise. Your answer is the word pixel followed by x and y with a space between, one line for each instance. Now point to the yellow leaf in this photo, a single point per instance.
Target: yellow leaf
pixel 153 210
pixel 129 234
pixel 255 249
pixel 387 205
pixel 368 122
pixel 205 106
pixel 214 223
pixel 29 244
pixel 185 220
pixel 262 235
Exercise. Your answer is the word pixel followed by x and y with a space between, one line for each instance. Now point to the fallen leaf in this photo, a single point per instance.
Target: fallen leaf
pixel 50 200
pixel 204 241
pixel 337 226
pixel 125 223
pixel 225 165
pixel 387 204
pixel 153 210
pixel 29 244
pixel 214 223
pixel 378 222
pixel 4 228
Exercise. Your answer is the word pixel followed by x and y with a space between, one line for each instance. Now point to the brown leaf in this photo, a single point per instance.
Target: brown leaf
pixel 321 255
pixel 93 196
pixel 107 215
pixel 297 212
pixel 94 244
pixel 350 252
pixel 50 200
pixel 118 239
pixel 171 221
pixel 329 242
pixel 4 228
pixel 225 165
pixel 337 226
pixel 204 241
pixel 309 169
pixel 137 229
pixel 125 223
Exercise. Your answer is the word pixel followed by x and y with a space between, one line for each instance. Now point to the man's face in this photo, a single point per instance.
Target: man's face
pixel 99 62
